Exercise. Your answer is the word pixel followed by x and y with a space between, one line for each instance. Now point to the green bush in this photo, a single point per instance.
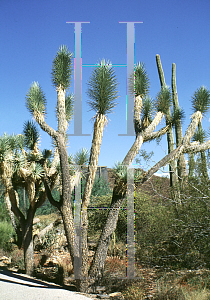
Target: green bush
pixel 174 235
pixel 4 216
pixel 100 187
pixel 97 213
pixel 6 234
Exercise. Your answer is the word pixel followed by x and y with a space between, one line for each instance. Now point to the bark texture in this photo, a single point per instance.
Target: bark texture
pixel 28 245
pixel 181 163
pixel 92 168
pixel 65 203
pixel 137 114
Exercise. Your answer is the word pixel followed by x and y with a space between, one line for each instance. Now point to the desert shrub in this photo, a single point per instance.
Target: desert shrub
pixel 49 239
pixel 174 235
pixel 6 234
pixel 17 259
pixel 97 213
pixel 100 187
pixel 4 216
pixel 153 223
pixel 183 285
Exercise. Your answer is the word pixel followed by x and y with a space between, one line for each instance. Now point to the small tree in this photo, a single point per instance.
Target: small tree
pixel 36 104
pixel 22 165
pixel 102 93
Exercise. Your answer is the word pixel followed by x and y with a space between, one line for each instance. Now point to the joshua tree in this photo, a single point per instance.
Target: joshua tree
pixel 201 102
pixel 22 165
pixel 143 133
pixel 36 104
pixel 99 80
pixel 102 93
pixel 81 157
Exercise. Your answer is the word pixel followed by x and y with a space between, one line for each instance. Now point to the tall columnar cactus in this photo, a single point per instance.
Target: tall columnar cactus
pixel 181 163
pixel 170 138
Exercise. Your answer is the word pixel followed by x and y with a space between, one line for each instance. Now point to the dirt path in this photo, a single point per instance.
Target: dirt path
pixel 19 287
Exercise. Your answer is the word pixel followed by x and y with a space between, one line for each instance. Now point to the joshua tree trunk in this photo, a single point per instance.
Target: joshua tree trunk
pixel 92 168
pixel 97 266
pixel 65 203
pixel 12 218
pixel 181 163
pixel 137 114
pixel 28 242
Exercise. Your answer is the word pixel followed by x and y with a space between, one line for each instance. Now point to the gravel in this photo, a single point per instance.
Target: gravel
pixel 21 287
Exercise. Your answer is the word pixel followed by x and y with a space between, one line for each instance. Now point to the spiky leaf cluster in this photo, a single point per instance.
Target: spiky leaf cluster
pixel 62 68
pixel 140 82
pixel 20 161
pixel 36 171
pixel 35 99
pixel 81 157
pixel 35 156
pixel 201 100
pixel 147 112
pixel 177 115
pixel 20 141
pixel 200 135
pixel 102 89
pixel 164 100
pixel 31 134
pixel 46 153
pixel 69 107
pixel 120 174
pixel 4 146
pixel 8 144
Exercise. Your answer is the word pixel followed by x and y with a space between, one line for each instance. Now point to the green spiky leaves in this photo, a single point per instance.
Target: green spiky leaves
pixel 36 171
pixel 102 89
pixel 177 115
pixel 9 144
pixel 201 100
pixel 147 112
pixel 35 99
pixel 140 82
pixel 69 108
pixel 81 157
pixel 200 135
pixel 61 68
pixel 31 134
pixel 164 100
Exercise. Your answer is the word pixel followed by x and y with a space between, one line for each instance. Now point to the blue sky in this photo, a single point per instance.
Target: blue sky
pixel 32 31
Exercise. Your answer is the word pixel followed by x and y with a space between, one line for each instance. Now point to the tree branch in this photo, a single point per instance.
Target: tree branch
pixel 156 134
pixel 40 120
pixel 49 194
